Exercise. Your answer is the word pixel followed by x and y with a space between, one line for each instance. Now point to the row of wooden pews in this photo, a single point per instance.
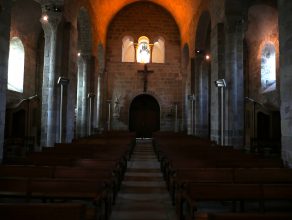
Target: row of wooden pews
pixel 197 171
pixel 84 176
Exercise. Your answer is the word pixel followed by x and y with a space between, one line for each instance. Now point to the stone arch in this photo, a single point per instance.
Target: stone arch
pixel 149 92
pixel 202 40
pixel 84 31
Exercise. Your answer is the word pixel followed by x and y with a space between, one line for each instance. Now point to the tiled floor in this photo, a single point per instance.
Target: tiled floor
pixel 143 195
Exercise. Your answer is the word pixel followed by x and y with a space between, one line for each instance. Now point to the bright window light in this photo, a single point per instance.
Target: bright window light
pixel 16 65
pixel 158 53
pixel 268 68
pixel 128 49
pixel 143 50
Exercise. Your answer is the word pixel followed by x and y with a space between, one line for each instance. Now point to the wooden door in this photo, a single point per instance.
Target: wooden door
pixel 144 116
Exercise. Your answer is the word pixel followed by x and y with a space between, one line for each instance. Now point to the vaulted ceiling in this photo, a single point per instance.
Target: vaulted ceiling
pixel 104 10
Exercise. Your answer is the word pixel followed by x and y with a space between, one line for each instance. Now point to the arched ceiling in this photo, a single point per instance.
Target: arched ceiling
pixel 104 10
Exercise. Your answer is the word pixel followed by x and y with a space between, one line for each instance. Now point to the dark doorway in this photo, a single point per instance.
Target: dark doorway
pixel 144 116
pixel 263 126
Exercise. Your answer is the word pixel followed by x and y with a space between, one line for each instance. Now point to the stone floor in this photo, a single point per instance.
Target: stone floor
pixel 143 195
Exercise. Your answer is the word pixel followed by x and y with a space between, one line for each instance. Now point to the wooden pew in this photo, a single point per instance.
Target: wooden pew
pixel 90 173
pixel 92 192
pixel 26 171
pixel 229 175
pixel 41 211
pixel 243 216
pixel 198 175
pixel 14 188
pixel 233 192
pixel 263 175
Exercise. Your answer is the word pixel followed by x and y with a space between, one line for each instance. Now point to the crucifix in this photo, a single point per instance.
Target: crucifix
pixel 145 73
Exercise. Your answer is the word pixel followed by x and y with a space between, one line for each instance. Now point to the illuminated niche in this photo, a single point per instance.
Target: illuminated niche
pixel 128 49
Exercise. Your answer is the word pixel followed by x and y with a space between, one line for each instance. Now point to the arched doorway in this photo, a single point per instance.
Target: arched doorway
pixel 144 116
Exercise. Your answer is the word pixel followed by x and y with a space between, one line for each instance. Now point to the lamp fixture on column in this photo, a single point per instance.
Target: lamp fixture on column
pixel 220 83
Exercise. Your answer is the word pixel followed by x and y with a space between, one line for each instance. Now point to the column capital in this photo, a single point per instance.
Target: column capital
pixel 199 57
pixel 51 14
pixel 235 25
pixel 50 20
pixel 86 56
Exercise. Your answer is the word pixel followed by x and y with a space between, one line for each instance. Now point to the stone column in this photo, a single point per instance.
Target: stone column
pixel 202 93
pixel 217 71
pixel 5 17
pixel 98 102
pixel 285 34
pixel 234 95
pixel 82 90
pixel 49 127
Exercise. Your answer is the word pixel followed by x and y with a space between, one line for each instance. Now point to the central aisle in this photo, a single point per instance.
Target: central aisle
pixel 143 195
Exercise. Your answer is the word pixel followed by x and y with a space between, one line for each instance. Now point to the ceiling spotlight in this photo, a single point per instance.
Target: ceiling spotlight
pixel 207 57
pixel 78 54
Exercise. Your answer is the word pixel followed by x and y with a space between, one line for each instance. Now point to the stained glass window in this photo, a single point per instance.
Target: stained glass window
pixel 143 50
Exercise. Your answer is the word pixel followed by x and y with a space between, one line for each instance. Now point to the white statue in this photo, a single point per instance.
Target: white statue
pixel 117 108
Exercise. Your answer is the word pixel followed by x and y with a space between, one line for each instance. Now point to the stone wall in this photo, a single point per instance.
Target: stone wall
pixel 262 28
pixel 26 26
pixel 285 34
pixel 123 79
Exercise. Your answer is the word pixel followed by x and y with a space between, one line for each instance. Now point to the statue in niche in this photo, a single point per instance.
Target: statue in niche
pixel 117 108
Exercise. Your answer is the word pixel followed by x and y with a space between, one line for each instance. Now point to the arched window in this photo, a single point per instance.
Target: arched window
pixel 128 50
pixel 143 50
pixel 158 52
pixel 16 65
pixel 268 68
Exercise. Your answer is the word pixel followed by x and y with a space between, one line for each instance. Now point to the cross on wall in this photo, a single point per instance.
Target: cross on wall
pixel 145 73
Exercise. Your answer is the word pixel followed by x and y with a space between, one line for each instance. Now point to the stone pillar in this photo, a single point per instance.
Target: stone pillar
pixel 49 127
pixel 234 92
pixel 84 68
pixel 217 71
pixel 5 17
pixel 285 34
pixel 202 93
pixel 98 102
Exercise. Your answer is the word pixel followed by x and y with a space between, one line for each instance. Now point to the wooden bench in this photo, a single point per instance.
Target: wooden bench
pixel 232 192
pixel 243 216
pixel 26 171
pixel 92 192
pixel 198 175
pixel 41 211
